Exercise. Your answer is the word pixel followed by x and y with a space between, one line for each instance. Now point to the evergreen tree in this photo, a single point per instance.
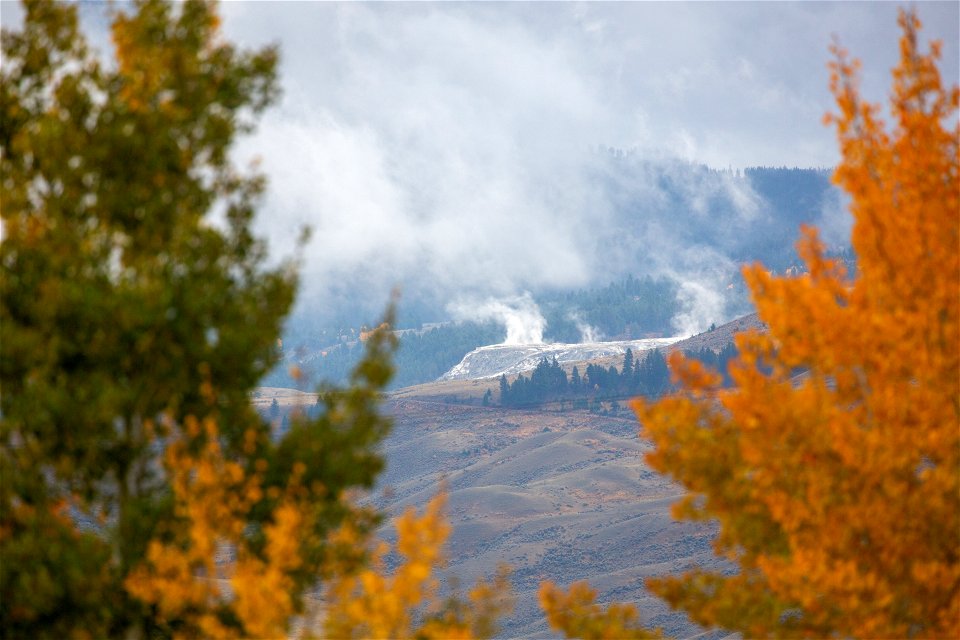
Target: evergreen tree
pixel 655 376
pixel 504 391
pixel 575 382
pixel 838 495
pixel 133 330
pixel 627 370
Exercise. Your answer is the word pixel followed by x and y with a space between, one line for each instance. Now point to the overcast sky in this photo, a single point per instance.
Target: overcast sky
pixel 450 141
pixel 739 84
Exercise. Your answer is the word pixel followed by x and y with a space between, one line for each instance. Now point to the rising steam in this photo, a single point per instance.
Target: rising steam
pixel 702 305
pixel 519 314
pixel 588 333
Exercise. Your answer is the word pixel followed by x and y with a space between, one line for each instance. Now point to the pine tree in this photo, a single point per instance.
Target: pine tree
pixel 505 398
pixel 575 382
pixel 133 330
pixel 627 371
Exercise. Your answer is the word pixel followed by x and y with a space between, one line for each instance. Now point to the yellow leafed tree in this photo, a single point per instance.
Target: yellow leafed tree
pixel 372 603
pixel 833 464
pixel 576 614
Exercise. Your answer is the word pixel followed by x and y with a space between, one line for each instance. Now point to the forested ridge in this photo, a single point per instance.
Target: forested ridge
pixel 633 305
pixel 646 375
pixel 630 308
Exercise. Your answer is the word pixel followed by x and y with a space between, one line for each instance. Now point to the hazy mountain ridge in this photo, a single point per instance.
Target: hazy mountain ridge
pixel 462 389
pixel 669 242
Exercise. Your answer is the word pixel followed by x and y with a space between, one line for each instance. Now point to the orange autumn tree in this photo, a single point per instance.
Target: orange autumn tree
pixel 407 602
pixel 576 614
pixel 833 464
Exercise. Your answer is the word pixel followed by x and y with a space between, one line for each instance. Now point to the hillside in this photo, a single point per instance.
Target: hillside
pixel 714 340
pixel 655 209
pixel 560 497
pixel 492 361
pixel 717 338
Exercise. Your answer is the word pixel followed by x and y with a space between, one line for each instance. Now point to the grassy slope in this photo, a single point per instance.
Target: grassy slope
pixel 562 497
pixel 559 496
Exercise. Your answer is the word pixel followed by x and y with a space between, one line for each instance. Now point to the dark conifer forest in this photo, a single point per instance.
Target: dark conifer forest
pixel 646 375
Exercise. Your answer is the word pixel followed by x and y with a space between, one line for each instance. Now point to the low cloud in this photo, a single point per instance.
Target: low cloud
pixel 520 315
pixel 702 306
pixel 588 333
pixel 452 148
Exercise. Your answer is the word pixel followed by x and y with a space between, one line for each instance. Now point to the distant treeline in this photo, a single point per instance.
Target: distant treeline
pixel 624 309
pixel 628 308
pixel 648 377
pixel 743 215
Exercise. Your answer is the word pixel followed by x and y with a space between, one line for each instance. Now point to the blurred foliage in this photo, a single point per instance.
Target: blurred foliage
pixel 576 614
pixel 371 603
pixel 837 490
pixel 137 316
pixel 142 495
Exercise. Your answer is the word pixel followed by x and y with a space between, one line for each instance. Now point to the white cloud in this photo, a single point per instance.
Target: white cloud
pixel 451 146
pixel 520 315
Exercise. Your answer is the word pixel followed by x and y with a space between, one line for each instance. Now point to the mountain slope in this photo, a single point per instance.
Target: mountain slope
pixel 559 496
pixel 504 359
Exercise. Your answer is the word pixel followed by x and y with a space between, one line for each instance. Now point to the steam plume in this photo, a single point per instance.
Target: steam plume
pixel 519 314
pixel 588 333
pixel 702 304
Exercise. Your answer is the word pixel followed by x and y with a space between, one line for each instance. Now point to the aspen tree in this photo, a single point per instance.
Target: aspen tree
pixel 833 464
